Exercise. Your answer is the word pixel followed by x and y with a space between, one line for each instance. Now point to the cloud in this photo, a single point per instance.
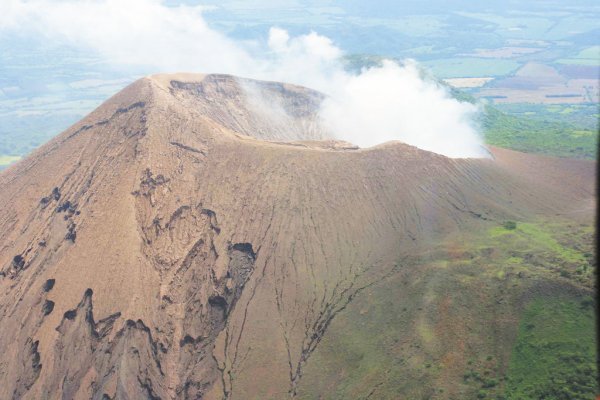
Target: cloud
pixel 387 102
pixel 133 32
pixel 393 102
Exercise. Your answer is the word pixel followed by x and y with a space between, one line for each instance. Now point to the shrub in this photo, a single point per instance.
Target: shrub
pixel 510 225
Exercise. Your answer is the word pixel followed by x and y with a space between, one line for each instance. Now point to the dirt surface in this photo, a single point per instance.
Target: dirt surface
pixel 183 242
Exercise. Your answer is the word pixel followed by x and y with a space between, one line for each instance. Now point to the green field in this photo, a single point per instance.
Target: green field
pixel 555 354
pixel 532 135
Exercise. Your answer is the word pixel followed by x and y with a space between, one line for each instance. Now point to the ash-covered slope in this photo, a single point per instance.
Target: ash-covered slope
pixel 160 249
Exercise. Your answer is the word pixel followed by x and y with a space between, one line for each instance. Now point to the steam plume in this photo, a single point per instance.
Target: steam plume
pixel 387 102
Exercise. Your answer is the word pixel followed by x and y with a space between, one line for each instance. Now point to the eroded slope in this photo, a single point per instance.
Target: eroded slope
pixel 159 249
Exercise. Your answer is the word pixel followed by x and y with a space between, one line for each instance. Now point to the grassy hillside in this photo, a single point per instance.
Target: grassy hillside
pixel 560 136
pixel 554 356
pixel 534 136
pixel 504 314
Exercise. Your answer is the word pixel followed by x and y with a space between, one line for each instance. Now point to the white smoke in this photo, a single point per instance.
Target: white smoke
pixel 394 103
pixel 387 102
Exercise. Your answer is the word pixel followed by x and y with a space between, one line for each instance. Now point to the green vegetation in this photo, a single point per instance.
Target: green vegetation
pixel 510 225
pixel 537 136
pixel 551 248
pixel 356 357
pixel 535 237
pixel 452 322
pixel 487 385
pixel 555 354
pixel 582 117
pixel 553 130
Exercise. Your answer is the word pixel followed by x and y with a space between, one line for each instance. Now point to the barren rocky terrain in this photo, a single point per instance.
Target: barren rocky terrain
pixel 185 241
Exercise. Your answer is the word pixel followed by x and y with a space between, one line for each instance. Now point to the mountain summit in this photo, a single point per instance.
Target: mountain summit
pixel 204 237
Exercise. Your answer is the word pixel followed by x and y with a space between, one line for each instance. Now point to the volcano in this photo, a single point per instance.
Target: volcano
pixel 186 241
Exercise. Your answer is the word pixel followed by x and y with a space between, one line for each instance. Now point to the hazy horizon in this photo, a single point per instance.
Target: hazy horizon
pixel 474 46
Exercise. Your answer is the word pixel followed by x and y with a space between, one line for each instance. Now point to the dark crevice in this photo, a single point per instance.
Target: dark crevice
pixel 187 339
pixel 149 183
pixel 48 307
pixel 176 215
pixel 217 301
pixel 315 333
pixel 212 217
pixel 105 325
pixel 32 369
pixel 188 148
pixel 49 285
pixel 56 193
pixel 71 232
pixel 35 360
pixel 18 262
pixel 66 206
pixel 117 112
pixel 245 248
pixel 70 315
pixel 139 104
